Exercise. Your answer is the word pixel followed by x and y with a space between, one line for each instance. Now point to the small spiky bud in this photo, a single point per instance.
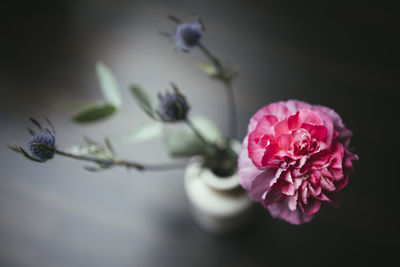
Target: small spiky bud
pixel 42 144
pixel 173 107
pixel 188 35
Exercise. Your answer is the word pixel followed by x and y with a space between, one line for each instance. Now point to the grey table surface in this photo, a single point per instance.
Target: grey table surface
pixel 61 215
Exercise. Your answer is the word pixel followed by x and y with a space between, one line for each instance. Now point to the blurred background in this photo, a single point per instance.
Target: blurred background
pixel 344 56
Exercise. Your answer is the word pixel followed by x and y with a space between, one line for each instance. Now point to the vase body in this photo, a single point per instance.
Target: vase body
pixel 219 205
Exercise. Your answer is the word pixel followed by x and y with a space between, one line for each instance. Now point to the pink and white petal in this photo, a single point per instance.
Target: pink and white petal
pixel 328 123
pixel 273 194
pixel 319 132
pixel 247 171
pixel 314 190
pixel 342 183
pixel 304 195
pixel 326 184
pixel 284 141
pixel 344 134
pixel 255 151
pixel 311 207
pixel 292 202
pixel 264 127
pixel 295 105
pixel 260 184
pixel 281 127
pixel 324 197
pixel 337 174
pixel 297 182
pixel 282 211
pixel 270 157
pixel 287 188
pixel 293 121
pixel 310 117
pixel 279 110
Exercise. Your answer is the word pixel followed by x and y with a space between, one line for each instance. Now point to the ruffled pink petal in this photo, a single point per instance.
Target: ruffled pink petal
pixel 305 194
pixel 310 117
pixel 344 134
pixel 342 183
pixel 278 109
pixel 284 141
pixel 273 194
pixel 319 132
pixel 270 158
pixel 281 127
pixel 292 202
pixel 337 155
pixel 293 121
pixel 311 207
pixel 314 190
pixel 326 184
pixel 256 152
pixel 261 184
pixel 288 189
pixel 247 171
pixel 295 105
pixel 337 174
pixel 281 210
pixel 264 127
pixel 297 182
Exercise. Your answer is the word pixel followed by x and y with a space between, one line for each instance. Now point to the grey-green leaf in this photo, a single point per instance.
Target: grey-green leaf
pixel 108 85
pixel 94 113
pixel 182 142
pixel 144 132
pixel 209 69
pixel 143 100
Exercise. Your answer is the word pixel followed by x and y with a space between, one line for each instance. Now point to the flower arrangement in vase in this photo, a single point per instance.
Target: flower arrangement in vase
pixel 295 156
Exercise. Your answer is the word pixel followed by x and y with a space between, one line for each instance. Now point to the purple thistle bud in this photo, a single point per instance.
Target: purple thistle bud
pixel 42 145
pixel 173 106
pixel 188 35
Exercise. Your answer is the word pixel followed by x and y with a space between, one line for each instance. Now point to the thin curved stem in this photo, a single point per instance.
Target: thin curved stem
pixel 228 88
pixel 232 109
pixel 121 162
pixel 198 134
pixel 217 63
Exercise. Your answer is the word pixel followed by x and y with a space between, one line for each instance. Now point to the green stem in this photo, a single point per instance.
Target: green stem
pixel 232 109
pixel 199 135
pixel 228 88
pixel 120 162
pixel 217 63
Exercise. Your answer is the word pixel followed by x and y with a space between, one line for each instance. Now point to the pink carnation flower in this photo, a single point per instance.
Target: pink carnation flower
pixel 295 157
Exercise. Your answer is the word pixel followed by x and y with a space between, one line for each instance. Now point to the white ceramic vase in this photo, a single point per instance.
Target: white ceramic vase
pixel 219 205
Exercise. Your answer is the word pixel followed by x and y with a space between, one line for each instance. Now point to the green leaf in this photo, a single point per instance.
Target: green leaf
pixel 94 113
pixel 109 146
pixel 108 85
pixel 183 142
pixel 143 100
pixel 209 69
pixel 144 132
pixel 227 74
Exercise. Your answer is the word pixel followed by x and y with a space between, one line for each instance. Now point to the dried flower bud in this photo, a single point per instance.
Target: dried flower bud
pixel 42 145
pixel 188 35
pixel 173 106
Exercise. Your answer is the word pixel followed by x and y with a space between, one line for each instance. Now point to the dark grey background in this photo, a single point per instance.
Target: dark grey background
pixel 341 55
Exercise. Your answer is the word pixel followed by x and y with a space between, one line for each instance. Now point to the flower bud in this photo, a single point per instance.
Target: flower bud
pixel 188 35
pixel 173 106
pixel 42 145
